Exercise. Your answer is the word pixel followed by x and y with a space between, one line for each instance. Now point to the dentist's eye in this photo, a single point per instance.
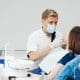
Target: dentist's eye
pixel 51 22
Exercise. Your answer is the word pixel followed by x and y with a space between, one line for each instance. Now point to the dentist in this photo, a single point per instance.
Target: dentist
pixel 42 41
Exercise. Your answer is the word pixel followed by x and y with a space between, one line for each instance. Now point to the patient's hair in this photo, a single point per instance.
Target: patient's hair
pixel 74 39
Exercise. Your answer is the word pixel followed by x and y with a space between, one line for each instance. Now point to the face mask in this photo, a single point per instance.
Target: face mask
pixel 51 28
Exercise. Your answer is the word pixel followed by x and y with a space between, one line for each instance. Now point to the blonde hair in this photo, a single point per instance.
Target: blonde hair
pixel 48 13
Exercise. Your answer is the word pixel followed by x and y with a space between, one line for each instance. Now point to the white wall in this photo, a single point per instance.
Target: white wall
pixel 18 18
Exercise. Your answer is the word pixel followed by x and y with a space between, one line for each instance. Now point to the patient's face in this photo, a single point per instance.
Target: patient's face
pixel 66 39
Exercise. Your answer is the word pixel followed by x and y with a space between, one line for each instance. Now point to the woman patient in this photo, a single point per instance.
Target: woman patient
pixel 70 60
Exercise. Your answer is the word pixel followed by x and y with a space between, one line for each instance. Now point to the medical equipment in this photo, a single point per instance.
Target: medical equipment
pixel 18 67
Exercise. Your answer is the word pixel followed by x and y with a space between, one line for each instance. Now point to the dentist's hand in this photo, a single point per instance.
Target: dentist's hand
pixel 56 43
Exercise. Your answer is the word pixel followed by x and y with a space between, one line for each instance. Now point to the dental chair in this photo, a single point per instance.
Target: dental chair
pixel 18 67
pixel 1 67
